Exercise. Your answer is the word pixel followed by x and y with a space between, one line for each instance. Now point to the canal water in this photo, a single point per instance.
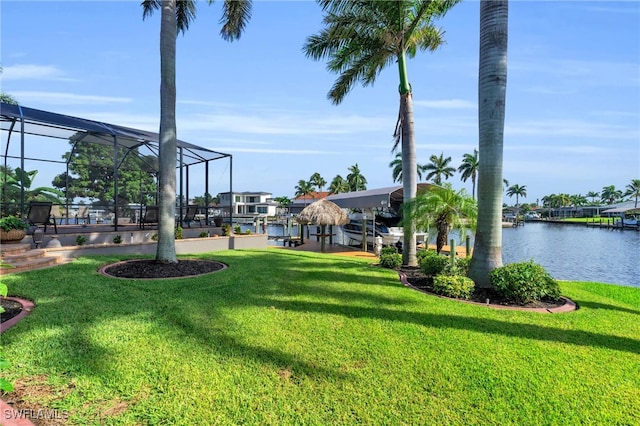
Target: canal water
pixel 567 252
pixel 576 252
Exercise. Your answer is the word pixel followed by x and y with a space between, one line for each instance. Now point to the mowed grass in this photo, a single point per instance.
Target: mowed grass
pixel 287 337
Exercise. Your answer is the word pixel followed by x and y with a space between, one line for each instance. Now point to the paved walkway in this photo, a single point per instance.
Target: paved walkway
pixel 314 246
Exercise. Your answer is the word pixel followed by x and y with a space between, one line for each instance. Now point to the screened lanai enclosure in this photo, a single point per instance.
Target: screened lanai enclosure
pixel 107 169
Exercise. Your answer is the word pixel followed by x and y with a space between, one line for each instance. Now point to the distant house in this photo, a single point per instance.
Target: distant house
pixel 299 203
pixel 249 203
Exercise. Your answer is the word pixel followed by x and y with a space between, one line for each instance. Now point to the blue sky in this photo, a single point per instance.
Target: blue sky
pixel 573 95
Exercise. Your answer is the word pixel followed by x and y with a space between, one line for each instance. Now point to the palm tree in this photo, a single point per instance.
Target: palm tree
pixel 578 200
pixel 469 169
pixel 438 168
pixel 360 39
pixel 518 191
pixel 338 185
pixel 492 87
pixel 445 209
pixel 304 188
pixel 355 179
pixel 176 16
pixel 610 194
pixel 16 184
pixel 317 181
pixel 633 190
pixel 593 195
pixel 396 168
pixel 548 201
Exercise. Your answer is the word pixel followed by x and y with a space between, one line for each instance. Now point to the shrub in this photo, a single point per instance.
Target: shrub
pixel 457 286
pixel 432 263
pixel 460 267
pixel 9 223
pixel 117 239
pixel 237 229
pixel 421 254
pixel 154 237
pixel 391 260
pixel 226 230
pixel 203 234
pixel 247 232
pixel 81 240
pixel 177 233
pixel 524 282
pixel 388 250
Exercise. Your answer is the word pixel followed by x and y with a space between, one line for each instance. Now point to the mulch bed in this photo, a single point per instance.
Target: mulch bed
pixel 11 309
pixel 152 269
pixel 417 279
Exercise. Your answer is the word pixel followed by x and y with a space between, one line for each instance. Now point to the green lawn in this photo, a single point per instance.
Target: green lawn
pixel 287 337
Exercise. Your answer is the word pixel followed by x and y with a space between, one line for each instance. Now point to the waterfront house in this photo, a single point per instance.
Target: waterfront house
pixel 249 204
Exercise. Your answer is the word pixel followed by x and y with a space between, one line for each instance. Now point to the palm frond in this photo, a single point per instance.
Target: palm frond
pixel 185 14
pixel 235 16
pixel 149 6
pixel 429 38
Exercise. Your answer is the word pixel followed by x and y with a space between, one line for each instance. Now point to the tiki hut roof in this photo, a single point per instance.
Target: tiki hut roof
pixel 323 212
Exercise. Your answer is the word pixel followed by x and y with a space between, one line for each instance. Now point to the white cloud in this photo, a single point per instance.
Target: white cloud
pixel 446 104
pixel 570 128
pixel 546 90
pixel 275 151
pixel 592 73
pixel 617 10
pixel 282 124
pixel 61 98
pixel 31 72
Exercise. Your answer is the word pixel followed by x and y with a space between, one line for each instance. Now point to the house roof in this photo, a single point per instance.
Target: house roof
pixel 313 196
pixel 620 207
pixel 372 198
pixel 621 210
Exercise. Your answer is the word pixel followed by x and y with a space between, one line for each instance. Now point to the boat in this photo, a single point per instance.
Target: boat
pixel 628 221
pixel 352 232
pixel 532 216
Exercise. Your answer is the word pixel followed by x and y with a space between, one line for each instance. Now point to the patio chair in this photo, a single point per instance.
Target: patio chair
pixel 56 214
pixel 190 216
pixel 83 215
pixel 150 216
pixel 40 214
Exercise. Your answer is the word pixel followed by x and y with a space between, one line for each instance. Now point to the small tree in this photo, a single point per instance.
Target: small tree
pixel 445 209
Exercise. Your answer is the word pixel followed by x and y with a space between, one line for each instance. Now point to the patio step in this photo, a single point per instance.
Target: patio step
pixel 22 258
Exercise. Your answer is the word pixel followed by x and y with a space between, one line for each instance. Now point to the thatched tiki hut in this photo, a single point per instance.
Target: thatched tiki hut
pixel 323 213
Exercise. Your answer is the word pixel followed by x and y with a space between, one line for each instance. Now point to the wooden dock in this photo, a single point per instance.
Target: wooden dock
pixel 291 241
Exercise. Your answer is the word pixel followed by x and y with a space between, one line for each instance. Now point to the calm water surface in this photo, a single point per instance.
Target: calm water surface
pixel 578 253
pixel 570 252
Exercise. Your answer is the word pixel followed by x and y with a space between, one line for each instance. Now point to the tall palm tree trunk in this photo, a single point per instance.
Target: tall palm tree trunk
pixel 166 250
pixel 492 85
pixel 409 178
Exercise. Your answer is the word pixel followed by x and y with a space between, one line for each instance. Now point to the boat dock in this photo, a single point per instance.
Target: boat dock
pixel 609 224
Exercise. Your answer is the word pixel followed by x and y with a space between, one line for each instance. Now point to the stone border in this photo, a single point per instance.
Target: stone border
pixel 27 307
pixel 102 271
pixel 569 305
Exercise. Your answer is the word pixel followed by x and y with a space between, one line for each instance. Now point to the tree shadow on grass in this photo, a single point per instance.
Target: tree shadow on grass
pixel 596 305
pixel 481 325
